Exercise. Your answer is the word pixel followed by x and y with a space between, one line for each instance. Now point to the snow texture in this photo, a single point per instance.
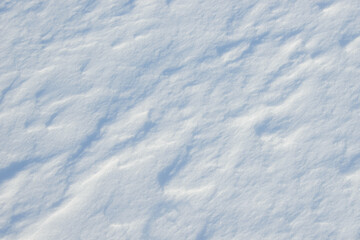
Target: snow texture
pixel 179 119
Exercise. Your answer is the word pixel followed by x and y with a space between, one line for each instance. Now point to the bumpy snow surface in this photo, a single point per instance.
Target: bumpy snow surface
pixel 179 119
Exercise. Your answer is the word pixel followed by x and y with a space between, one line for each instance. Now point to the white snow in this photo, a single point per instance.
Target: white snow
pixel 179 119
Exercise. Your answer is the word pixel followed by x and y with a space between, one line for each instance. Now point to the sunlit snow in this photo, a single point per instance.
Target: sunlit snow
pixel 179 119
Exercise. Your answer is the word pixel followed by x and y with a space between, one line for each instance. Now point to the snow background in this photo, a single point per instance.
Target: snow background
pixel 179 119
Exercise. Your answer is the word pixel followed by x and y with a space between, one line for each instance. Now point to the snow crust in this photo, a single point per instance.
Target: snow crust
pixel 179 119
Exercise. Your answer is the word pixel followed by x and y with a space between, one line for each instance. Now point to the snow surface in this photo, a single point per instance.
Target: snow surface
pixel 179 119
